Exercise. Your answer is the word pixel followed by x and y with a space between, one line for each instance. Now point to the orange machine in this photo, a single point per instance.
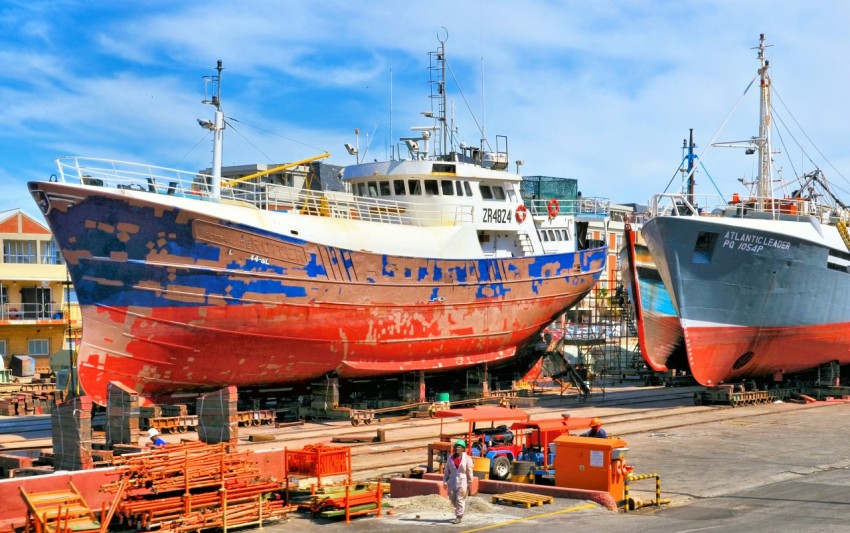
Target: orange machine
pixel 592 464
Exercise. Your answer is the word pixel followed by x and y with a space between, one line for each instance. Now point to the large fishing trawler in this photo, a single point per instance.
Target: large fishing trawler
pixel 758 281
pixel 430 262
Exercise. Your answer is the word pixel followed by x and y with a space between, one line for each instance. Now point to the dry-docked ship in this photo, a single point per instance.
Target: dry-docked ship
pixel 660 336
pixel 431 262
pixel 758 282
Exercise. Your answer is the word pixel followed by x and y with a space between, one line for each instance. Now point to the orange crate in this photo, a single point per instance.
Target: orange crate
pixel 318 460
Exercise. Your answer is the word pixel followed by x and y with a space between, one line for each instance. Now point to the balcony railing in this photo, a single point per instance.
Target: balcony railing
pixel 32 311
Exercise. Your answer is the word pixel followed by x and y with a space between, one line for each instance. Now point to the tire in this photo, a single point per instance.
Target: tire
pixel 501 468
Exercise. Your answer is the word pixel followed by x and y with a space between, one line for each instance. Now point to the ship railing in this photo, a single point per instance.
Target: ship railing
pixel 586 206
pixel 273 197
pixel 678 204
pixel 137 177
pixel 749 207
pixel 348 206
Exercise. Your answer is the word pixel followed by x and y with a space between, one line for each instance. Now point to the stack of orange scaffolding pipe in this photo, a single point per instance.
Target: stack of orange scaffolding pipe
pixel 187 466
pixel 209 486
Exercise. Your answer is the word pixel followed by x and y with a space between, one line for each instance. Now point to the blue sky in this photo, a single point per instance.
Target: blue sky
pixel 601 91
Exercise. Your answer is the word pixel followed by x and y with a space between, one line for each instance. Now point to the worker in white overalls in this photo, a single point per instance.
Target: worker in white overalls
pixel 457 475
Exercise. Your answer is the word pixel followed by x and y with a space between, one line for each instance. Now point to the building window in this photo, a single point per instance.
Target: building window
pixel 19 252
pixel 39 346
pixel 3 348
pixel 50 254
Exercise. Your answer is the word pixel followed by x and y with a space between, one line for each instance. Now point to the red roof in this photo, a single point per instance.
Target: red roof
pixel 484 414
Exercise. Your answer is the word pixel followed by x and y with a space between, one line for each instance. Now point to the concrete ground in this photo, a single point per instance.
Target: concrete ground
pixel 786 470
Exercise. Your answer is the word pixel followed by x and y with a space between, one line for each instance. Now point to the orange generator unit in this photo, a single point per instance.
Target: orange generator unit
pixel 591 463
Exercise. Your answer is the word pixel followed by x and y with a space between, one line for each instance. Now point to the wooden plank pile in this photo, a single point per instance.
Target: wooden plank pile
pixel 27 403
pixel 218 417
pixel 71 425
pixel 122 414
pixel 147 412
pixel 522 499
pixel 194 486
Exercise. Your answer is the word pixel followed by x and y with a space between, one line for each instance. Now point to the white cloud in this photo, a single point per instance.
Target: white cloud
pixel 600 91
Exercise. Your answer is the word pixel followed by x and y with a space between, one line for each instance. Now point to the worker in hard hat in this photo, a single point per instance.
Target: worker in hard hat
pixel 156 440
pixel 457 477
pixel 595 430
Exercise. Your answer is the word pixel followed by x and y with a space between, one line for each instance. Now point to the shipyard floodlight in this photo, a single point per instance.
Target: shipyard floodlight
pixel 412 145
pixel 206 124
pixel 351 150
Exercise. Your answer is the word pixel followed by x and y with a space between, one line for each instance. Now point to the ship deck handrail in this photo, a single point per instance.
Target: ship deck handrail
pixel 266 196
pixel 678 204
pixel 581 207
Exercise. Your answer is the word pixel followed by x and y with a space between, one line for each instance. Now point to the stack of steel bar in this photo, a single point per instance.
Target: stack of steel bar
pixel 122 414
pixel 71 425
pixel 218 417
pixel 195 486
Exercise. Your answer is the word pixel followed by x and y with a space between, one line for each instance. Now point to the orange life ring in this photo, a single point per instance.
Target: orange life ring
pixel 553 208
pixel 520 213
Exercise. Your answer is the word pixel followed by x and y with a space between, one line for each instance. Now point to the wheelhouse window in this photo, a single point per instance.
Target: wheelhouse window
pixel 415 187
pixel 467 188
pixel 459 188
pixel 361 189
pixel 373 189
pixel 385 188
pixel 398 187
pixel 431 188
pixel 446 186
pixel 494 192
pixel 21 252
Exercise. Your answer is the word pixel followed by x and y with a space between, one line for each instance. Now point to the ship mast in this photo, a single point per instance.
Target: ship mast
pixel 764 183
pixel 217 128
pixel 691 168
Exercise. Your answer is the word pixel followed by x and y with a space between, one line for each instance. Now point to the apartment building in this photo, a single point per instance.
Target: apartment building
pixel 39 313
